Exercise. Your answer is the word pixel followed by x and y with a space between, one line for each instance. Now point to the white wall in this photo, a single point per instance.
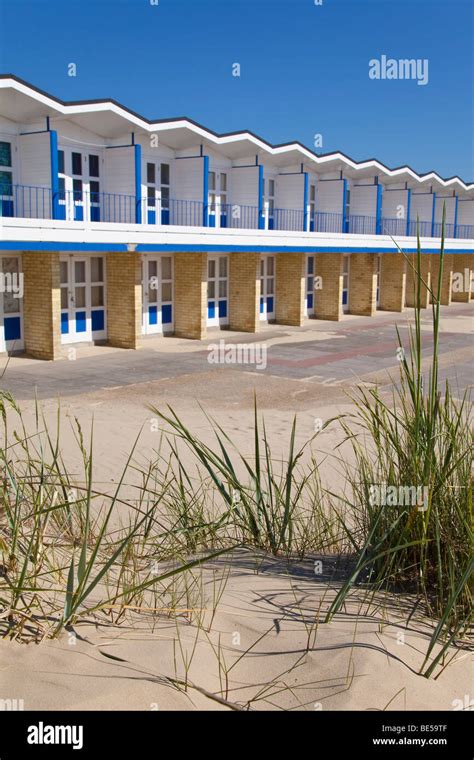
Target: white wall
pixel 364 200
pixel 421 206
pixel 244 186
pixel 289 191
pixel 329 196
pixel 119 171
pixel 466 212
pixel 392 200
pixel 34 169
pixel 450 202
pixel 188 179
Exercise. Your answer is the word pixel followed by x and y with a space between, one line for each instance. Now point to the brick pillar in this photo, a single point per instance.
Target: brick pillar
pixel 124 299
pixel 328 300
pixel 447 279
pixel 290 288
pixel 363 284
pixel 190 295
pixel 411 280
pixel 462 277
pixel 244 291
pixel 42 304
pixel 392 281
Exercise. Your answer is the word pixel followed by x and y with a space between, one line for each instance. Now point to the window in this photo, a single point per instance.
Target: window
pixel 76 163
pixel 150 174
pixel 94 189
pixel 6 186
pixel 60 162
pixel 165 174
pixel 77 189
pixel 165 185
pixel 93 166
pixel 5 154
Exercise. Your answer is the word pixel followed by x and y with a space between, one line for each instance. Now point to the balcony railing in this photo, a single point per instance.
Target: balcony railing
pixel 30 202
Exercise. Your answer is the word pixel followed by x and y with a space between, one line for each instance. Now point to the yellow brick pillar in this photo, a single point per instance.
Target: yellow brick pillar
pixel 244 291
pixel 393 280
pixel 124 299
pixel 411 280
pixel 328 299
pixel 462 274
pixel 290 288
pixel 42 304
pixel 447 278
pixel 363 284
pixel 190 295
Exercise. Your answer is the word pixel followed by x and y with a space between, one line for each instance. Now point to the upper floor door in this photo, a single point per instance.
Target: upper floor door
pixel 80 197
pixel 158 202
pixel 217 199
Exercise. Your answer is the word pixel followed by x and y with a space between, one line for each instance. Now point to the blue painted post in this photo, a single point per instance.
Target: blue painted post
pixel 378 211
pixel 205 192
pixel 345 220
pixel 433 216
pixel 305 202
pixel 408 212
pixel 455 231
pixel 53 147
pixel 138 183
pixel 261 217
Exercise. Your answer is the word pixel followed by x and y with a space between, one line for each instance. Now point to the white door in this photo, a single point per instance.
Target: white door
pixel 157 282
pixel 217 199
pixel 309 301
pixel 11 304
pixel 218 290
pixel 83 314
pixel 345 283
pixel 267 287
pixel 79 185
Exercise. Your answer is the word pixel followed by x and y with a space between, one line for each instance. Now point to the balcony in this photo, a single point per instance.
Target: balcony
pixel 30 202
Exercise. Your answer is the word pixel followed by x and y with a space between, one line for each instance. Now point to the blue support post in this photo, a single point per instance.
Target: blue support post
pixel 433 216
pixel 261 217
pixel 408 212
pixel 138 183
pixel 345 220
pixel 305 202
pixel 455 231
pixel 53 147
pixel 205 192
pixel 378 211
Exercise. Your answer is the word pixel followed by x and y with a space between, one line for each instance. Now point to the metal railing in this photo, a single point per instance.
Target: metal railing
pixel 34 202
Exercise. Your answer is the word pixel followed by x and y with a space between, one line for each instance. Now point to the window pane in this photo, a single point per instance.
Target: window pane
pixel 212 180
pixel 223 267
pixel 5 154
pixel 166 292
pixel 310 264
pixel 270 286
pixel 80 298
pixel 97 295
pixel 211 290
pixel 6 185
pixel 223 182
pixel 95 189
pixel 222 288
pixel 61 161
pixel 150 191
pixel 309 285
pixel 77 188
pixel 165 174
pixel 166 268
pixel 271 207
pixel 77 163
pixel 211 268
pixel 64 298
pixel 152 269
pixel 93 166
pixel 270 265
pixel 262 267
pixel 271 187
pixel 63 271
pixel 312 192
pixel 11 305
pixel 165 197
pixel 97 269
pixel 150 173
pixel 79 271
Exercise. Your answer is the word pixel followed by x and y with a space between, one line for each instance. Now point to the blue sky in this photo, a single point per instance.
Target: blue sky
pixel 304 68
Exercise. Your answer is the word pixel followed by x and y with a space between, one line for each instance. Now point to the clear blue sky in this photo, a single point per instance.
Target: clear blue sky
pixel 304 69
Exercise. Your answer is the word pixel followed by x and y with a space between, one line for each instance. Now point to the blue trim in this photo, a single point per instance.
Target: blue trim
pixel 378 211
pixel 261 218
pixel 98 320
pixel 433 212
pixel 12 328
pixel 456 202
pixel 205 192
pixel 53 149
pixel 138 183
pixel 408 212
pixel 345 221
pixel 27 245
pixel 305 201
